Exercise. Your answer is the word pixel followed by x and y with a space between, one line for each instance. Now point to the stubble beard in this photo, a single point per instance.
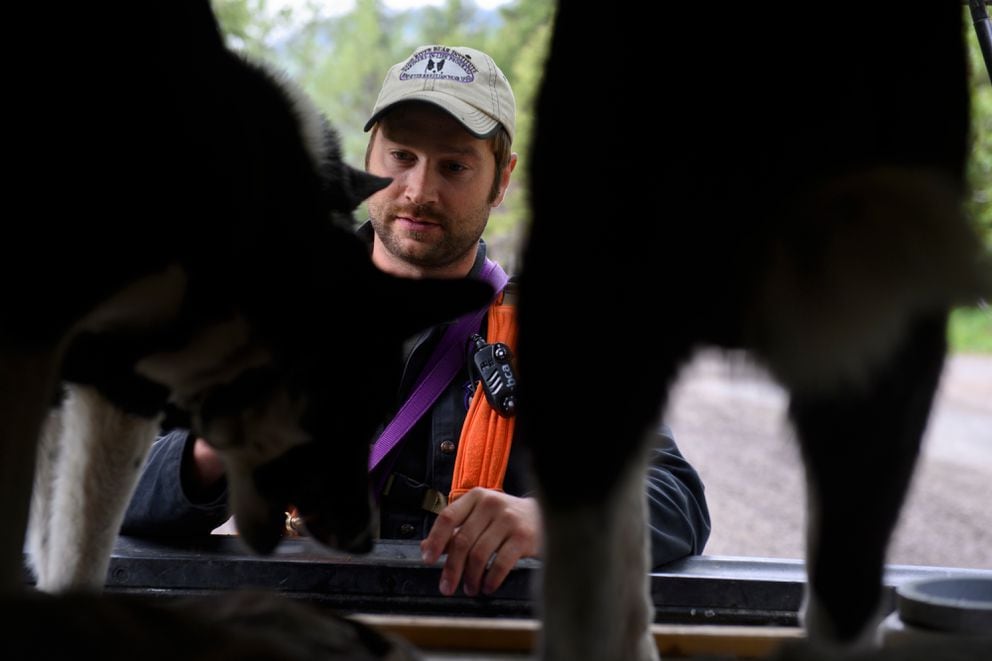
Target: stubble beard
pixel 424 249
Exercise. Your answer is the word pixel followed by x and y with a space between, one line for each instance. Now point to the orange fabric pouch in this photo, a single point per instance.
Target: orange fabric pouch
pixel 484 445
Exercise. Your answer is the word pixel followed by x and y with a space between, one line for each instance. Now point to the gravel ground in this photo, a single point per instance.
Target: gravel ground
pixel 729 421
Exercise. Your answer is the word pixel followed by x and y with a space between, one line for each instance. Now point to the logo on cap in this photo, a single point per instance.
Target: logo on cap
pixel 439 64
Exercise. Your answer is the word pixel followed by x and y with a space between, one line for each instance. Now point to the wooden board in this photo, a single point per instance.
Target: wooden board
pixel 520 635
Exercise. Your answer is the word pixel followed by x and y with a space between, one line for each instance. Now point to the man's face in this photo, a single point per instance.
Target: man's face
pixel 429 220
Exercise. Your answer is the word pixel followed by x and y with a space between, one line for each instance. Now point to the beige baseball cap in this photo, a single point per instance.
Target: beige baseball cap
pixel 462 81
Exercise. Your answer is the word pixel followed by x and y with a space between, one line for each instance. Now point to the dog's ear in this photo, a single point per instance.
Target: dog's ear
pixel 413 305
pixel 362 184
pixel 345 187
pixel 195 21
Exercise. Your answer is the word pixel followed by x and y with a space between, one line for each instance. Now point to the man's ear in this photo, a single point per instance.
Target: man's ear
pixel 504 180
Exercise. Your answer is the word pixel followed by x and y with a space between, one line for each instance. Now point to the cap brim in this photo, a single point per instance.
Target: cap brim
pixel 475 122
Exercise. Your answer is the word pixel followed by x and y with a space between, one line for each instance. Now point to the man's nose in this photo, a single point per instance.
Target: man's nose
pixel 421 185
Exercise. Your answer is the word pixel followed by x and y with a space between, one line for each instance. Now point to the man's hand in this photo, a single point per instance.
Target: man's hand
pixel 202 471
pixel 484 533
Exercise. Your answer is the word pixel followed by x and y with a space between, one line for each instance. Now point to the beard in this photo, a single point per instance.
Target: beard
pixel 435 248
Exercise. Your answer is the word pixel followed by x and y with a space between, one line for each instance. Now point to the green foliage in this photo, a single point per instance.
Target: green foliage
pixel 340 62
pixel 970 330
pixel 252 27
pixel 980 165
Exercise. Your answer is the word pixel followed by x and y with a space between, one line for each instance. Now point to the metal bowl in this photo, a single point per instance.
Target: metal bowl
pixel 960 605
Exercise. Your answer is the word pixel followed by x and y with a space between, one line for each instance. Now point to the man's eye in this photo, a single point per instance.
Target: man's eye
pixel 456 167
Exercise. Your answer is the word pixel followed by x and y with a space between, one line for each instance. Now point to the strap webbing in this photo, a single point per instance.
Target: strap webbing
pixel 441 368
pixel 484 446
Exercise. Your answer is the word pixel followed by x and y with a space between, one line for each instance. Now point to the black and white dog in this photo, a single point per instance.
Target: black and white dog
pixel 186 244
pixel 786 181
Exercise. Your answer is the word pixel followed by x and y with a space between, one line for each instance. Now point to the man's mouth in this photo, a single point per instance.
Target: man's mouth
pixel 417 224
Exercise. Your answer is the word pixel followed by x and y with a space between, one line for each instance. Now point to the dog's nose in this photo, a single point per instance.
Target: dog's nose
pixel 362 544
pixel 354 534
pixel 261 537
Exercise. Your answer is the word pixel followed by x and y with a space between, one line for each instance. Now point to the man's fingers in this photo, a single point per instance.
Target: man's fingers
pixel 500 566
pixel 444 529
pixel 468 552
pixel 484 534
pixel 458 550
pixel 481 553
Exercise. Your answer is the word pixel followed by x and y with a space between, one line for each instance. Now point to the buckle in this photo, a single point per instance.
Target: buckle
pixel 434 501
pixel 294 526
pixel 410 493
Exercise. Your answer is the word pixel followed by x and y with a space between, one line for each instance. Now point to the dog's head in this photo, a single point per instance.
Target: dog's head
pixel 285 350
pixel 292 400
pixel 265 320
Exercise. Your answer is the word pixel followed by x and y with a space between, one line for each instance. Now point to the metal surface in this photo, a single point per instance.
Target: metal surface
pixel 956 605
pixel 393 580
pixel 983 32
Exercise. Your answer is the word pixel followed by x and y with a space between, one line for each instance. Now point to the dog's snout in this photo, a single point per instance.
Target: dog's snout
pixel 352 532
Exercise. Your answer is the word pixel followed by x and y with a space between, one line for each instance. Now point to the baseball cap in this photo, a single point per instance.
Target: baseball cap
pixel 462 81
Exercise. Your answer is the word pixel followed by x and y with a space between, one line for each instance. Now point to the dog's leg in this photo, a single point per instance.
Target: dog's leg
pixel 859 447
pixel 43 494
pixel 26 381
pixel 595 603
pixel 596 599
pixel 102 451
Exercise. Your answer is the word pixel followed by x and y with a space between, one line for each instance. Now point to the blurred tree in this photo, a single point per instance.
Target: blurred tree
pixel 340 61
pixel 450 24
pixel 980 166
pixel 519 47
pixel 253 26
pixel 357 50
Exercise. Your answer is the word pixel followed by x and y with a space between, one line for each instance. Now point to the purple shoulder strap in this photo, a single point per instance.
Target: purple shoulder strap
pixel 443 365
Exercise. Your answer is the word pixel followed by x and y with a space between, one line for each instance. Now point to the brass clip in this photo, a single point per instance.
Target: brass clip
pixel 434 501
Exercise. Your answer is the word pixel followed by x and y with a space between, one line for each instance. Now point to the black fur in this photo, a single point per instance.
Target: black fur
pixel 175 153
pixel 719 148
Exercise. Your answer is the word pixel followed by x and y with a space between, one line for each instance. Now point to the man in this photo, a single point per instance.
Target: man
pixel 441 129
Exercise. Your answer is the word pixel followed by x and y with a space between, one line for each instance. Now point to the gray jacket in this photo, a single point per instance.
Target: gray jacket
pixel 418 469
